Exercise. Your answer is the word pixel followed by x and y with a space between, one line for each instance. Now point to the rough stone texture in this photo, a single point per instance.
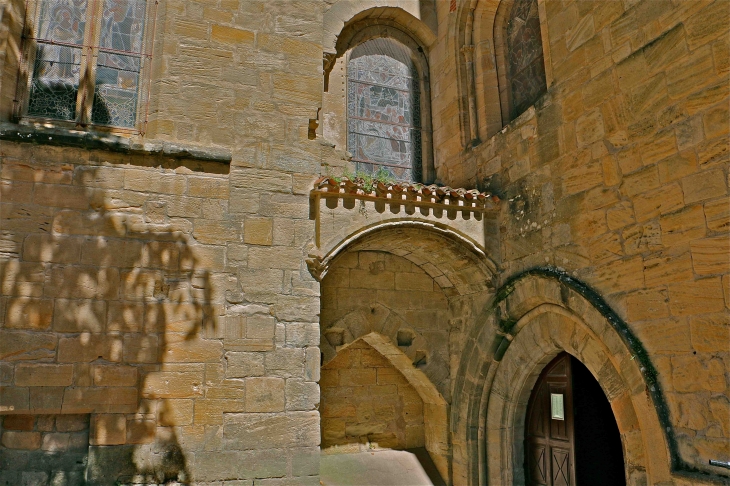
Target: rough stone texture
pixel 370 291
pixel 168 302
pixel 365 399
pixel 50 449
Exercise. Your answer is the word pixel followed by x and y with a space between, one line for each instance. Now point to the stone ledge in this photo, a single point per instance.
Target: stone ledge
pixel 102 141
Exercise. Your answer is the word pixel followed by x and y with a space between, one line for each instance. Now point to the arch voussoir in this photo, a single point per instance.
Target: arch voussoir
pixel 538 315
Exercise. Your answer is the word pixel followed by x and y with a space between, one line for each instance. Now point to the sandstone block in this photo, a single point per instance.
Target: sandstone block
pixel 208 187
pixel 175 412
pixel 71 423
pixel 108 429
pixel 230 466
pixel 711 255
pixel 285 362
pixel 56 442
pixel 713 152
pixel 683 226
pixel 29 313
pixel 260 327
pixel 114 375
pixel 13 439
pixel 48 248
pixel 14 398
pixel 43 374
pixel 668 267
pixel 302 334
pixel 262 180
pixel 214 232
pixel 244 364
pixel 61 195
pixel 180 349
pixel 46 399
pixel 697 297
pixel 258 231
pixel 283 257
pixel 169 384
pixel 79 315
pixel 100 400
pixel 231 35
pixel 710 332
pixel 297 308
pixel 717 214
pixel 620 275
pixel 663 200
pixel 18 422
pixel 245 431
pixel 665 335
pixel 704 185
pixel 647 304
pixel 640 181
pixel 691 373
pixel 265 394
pixel 139 348
pixel 312 364
pixel 302 395
pixel 677 166
pixel 89 347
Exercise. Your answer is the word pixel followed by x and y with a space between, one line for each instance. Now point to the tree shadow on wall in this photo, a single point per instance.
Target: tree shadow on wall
pixel 102 280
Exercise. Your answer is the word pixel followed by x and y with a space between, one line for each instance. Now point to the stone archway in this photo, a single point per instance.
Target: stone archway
pixel 531 319
pixel 397 406
pixel 446 271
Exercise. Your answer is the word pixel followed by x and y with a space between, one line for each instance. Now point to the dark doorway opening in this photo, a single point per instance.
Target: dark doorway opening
pixel 571 435
pixel 599 459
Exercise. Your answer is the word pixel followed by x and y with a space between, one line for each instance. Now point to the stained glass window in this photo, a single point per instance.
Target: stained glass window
pixel 524 56
pixel 55 83
pixel 110 39
pixel 383 110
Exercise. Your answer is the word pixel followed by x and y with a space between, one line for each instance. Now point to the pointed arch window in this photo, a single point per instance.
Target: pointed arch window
pixel 384 110
pixel 525 60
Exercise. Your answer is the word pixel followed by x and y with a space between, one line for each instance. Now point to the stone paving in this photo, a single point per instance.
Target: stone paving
pixel 382 467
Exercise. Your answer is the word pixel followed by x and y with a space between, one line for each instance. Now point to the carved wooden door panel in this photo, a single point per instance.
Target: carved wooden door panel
pixel 549 443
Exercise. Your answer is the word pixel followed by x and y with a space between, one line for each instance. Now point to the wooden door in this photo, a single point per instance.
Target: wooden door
pixel 549 443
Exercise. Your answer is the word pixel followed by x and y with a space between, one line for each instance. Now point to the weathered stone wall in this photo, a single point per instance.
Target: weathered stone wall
pixel 371 291
pixel 174 306
pixel 121 298
pixel 619 176
pixel 366 400
pixel 37 449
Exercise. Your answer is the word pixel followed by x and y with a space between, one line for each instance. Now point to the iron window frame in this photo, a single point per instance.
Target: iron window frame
pixel 88 68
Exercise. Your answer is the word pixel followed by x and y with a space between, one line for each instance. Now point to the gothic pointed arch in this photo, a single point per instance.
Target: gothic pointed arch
pixel 533 317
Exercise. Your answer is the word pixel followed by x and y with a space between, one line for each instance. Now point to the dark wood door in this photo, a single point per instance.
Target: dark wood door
pixel 549 442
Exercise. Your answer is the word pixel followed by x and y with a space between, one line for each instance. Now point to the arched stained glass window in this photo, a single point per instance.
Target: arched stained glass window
pixel 526 65
pixel 384 110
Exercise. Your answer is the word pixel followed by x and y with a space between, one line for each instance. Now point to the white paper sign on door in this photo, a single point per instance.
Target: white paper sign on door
pixel 556 406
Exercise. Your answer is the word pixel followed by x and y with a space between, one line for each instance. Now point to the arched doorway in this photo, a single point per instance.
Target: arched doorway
pixel 571 435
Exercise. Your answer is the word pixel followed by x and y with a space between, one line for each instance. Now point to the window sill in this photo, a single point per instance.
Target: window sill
pixel 92 140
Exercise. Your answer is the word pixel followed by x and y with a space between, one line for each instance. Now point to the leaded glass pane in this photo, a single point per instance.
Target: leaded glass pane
pixel 115 95
pixel 55 81
pixel 525 56
pixel 62 21
pixel 122 25
pixel 383 110
pixel 117 73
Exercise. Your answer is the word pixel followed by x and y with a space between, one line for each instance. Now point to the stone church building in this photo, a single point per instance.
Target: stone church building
pixel 239 235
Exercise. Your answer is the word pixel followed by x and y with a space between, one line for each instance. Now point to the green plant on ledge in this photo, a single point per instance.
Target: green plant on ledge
pixel 369 181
